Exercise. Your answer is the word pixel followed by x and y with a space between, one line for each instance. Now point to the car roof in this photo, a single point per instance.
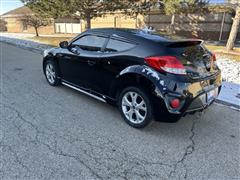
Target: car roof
pixel 128 33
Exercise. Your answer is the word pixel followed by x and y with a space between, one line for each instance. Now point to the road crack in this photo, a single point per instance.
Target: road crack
pixel 115 160
pixel 188 151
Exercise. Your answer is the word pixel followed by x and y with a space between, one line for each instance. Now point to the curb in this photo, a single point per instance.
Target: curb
pixel 26 44
pixel 234 106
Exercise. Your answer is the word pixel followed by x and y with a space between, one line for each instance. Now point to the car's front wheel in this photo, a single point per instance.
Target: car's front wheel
pixel 135 107
pixel 51 72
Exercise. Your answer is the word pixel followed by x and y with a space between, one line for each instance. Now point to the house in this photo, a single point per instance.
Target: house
pixel 14 24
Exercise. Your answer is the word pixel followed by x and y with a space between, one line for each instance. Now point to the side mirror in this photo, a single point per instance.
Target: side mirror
pixel 63 44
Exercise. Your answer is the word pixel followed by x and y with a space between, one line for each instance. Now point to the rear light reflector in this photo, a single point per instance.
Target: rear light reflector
pixel 214 57
pixel 175 103
pixel 168 64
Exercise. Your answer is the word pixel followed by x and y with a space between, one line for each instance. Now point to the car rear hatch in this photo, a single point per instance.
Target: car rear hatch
pixel 197 60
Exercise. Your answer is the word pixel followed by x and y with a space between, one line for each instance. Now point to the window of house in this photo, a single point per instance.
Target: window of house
pixel 90 43
pixel 116 45
pixel 24 26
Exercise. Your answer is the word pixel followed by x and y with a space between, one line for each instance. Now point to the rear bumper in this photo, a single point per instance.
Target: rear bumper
pixel 200 103
pixel 192 95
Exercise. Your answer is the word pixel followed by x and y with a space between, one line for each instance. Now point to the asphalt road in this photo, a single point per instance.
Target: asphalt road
pixel 57 133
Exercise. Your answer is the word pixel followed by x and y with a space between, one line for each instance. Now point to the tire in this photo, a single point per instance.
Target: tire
pixel 135 107
pixel 51 73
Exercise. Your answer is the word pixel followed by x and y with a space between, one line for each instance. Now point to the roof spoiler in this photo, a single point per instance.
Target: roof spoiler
pixel 184 43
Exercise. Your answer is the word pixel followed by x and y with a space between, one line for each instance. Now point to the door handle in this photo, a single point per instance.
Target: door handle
pixel 67 57
pixel 91 63
pixel 60 55
pixel 64 56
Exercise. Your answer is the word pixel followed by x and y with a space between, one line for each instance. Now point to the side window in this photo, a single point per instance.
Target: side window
pixel 89 43
pixel 116 45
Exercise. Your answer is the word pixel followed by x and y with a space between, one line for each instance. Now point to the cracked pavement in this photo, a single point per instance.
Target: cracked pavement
pixel 57 133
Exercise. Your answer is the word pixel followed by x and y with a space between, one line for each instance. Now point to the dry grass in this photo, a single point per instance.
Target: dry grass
pixel 221 50
pixel 54 41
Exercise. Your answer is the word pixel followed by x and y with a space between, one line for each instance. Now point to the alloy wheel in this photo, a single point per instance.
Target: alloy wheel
pixel 50 73
pixel 134 107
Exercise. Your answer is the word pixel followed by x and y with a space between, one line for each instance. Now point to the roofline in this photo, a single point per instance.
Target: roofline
pixel 14 15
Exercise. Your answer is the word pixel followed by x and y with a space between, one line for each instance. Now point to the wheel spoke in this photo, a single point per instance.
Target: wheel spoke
pixel 126 102
pixel 139 116
pixel 53 74
pixel 134 97
pixel 141 106
pixel 47 69
pixel 130 114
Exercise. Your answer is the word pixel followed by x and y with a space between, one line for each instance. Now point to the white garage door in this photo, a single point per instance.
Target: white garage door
pixel 76 28
pixel 68 27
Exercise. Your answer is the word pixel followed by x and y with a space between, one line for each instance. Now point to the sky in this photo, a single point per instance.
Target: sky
pixel 7 5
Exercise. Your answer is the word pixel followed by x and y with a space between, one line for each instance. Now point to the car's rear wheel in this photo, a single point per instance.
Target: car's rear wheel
pixel 135 107
pixel 51 73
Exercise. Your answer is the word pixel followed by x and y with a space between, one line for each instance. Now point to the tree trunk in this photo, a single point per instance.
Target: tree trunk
pixel 136 21
pixel 88 22
pixel 171 28
pixel 36 30
pixel 234 30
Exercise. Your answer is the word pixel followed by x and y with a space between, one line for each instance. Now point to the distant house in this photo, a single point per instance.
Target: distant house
pixel 13 23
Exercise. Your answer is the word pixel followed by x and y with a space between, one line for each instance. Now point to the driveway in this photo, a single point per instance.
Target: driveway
pixel 57 133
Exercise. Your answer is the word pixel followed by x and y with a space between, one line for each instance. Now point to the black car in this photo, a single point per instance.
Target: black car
pixel 145 74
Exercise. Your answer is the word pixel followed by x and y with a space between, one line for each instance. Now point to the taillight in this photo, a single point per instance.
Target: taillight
pixel 168 64
pixel 175 103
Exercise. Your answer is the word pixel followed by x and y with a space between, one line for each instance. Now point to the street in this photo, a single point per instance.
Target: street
pixel 58 133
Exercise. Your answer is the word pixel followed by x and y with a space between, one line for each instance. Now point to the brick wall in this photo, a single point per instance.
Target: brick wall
pixel 15 25
pixel 117 20
pixel 42 30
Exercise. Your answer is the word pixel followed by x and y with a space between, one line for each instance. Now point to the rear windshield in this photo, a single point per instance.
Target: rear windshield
pixel 189 53
pixel 151 36
pixel 156 36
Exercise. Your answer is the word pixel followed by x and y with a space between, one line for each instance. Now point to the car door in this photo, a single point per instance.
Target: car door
pixel 116 57
pixel 78 66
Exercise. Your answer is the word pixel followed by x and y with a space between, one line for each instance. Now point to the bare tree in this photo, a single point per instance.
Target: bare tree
pixel 234 30
pixel 35 22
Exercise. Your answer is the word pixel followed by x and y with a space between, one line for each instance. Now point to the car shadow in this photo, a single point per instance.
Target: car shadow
pixel 177 130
